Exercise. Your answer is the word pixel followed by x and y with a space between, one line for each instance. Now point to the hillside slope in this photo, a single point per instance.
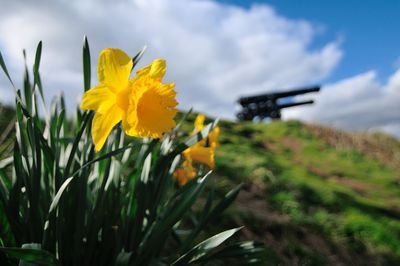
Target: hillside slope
pixel 314 195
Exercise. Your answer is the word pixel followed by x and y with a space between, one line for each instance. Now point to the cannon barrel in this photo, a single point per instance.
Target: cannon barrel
pixel 273 96
pixel 281 106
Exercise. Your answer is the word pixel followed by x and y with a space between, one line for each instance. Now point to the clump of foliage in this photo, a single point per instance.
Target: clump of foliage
pixel 63 203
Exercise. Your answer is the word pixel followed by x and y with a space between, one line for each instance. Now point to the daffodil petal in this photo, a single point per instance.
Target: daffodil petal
pixel 99 99
pixel 185 173
pixel 168 95
pixel 213 137
pixel 155 70
pixel 102 125
pixel 199 122
pixel 204 155
pixel 114 68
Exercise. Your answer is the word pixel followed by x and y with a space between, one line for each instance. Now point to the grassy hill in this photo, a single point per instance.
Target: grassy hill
pixel 313 195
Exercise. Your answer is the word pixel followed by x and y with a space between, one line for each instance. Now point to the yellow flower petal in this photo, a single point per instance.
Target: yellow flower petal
pixel 114 68
pixel 185 173
pixel 155 70
pixel 98 99
pixel 213 138
pixel 199 122
pixel 204 155
pixel 102 125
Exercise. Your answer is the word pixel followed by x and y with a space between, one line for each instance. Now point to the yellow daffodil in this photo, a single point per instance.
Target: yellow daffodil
pixel 212 138
pixel 202 152
pixel 199 123
pixel 204 155
pixel 185 173
pixel 145 106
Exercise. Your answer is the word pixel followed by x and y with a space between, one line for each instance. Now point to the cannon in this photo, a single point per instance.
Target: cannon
pixel 267 105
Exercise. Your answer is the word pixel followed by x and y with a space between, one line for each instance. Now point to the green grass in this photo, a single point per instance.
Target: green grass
pixel 342 196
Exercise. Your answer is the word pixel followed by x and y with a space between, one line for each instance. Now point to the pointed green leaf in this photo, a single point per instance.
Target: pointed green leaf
pixel 173 213
pixel 209 215
pixel 137 57
pixel 204 247
pixel 36 76
pixel 31 253
pixel 5 70
pixel 123 258
pixel 247 252
pixel 86 64
pixel 57 197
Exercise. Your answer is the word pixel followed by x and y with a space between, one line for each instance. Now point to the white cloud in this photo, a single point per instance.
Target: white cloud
pixel 215 52
pixel 357 103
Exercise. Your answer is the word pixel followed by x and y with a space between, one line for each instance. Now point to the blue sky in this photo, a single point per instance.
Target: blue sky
pixel 219 50
pixel 370 30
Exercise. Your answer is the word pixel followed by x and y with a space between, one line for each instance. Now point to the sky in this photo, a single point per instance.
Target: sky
pixel 368 30
pixel 219 50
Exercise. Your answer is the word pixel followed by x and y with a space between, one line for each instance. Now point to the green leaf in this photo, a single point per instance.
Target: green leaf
pixel 156 262
pixel 172 213
pixel 104 156
pixel 6 162
pixel 204 247
pixel 86 64
pixel 57 197
pixel 209 215
pixel 246 252
pixel 144 177
pixel 178 208
pixel 5 185
pixel 87 117
pixel 31 253
pixel 20 170
pixel 36 75
pixel 4 67
pixel 137 57
pixel 28 93
pixel 123 258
